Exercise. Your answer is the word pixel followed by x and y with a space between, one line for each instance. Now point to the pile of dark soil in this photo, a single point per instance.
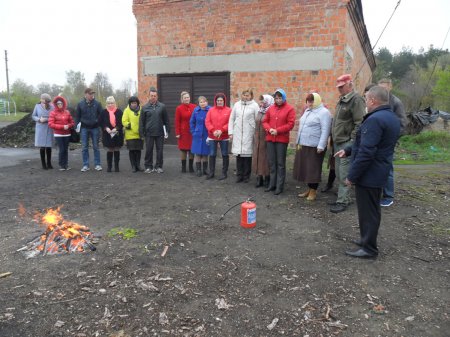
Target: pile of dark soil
pixel 19 134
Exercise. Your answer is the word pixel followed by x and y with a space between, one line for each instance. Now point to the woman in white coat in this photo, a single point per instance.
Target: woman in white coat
pixel 241 129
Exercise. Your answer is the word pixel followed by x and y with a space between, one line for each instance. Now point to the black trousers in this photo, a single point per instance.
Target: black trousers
pixel 369 216
pixel 276 155
pixel 243 167
pixel 149 142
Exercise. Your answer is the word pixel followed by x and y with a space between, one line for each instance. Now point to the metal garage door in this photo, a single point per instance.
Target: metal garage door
pixel 208 85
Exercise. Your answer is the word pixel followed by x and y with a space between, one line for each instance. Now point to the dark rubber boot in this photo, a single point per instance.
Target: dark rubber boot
pixel 183 165
pixel 48 151
pixel 109 159
pixel 212 167
pixel 116 160
pixel 132 155
pixel 225 165
pixel 42 153
pixel 138 160
pixel 259 181
pixel 198 167
pixel 205 167
pixel 191 165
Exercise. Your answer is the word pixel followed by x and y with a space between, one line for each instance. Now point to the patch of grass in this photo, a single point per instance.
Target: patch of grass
pixel 425 148
pixel 125 233
pixel 12 118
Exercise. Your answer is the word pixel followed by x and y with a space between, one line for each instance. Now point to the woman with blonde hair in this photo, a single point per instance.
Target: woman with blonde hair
pixel 111 124
pixel 183 115
pixel 44 134
pixel 241 129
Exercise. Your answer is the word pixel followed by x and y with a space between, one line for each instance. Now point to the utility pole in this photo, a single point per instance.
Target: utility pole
pixel 7 82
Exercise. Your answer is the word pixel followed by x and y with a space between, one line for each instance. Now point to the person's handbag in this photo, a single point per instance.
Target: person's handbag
pixel 74 136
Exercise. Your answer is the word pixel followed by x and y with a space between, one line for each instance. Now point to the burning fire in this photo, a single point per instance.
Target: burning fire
pixel 60 235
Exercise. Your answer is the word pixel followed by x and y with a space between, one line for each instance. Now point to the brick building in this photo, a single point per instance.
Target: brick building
pixel 207 46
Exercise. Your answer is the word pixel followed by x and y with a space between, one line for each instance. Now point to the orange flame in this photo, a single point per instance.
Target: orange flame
pixel 60 234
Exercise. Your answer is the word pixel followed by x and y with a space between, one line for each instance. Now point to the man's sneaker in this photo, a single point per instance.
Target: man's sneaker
pixel 62 169
pixel 147 170
pixel 68 168
pixel 98 168
pixel 84 169
pixel 159 170
pixel 386 202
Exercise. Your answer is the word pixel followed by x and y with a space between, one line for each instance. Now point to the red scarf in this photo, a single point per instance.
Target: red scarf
pixel 112 116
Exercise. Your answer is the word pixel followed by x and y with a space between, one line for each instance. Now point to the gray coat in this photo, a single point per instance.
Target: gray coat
pixel 43 136
pixel 399 110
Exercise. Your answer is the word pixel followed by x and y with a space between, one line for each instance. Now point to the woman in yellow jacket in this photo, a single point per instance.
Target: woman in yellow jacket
pixel 130 121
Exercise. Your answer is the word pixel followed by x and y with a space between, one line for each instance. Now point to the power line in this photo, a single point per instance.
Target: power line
pixel 379 37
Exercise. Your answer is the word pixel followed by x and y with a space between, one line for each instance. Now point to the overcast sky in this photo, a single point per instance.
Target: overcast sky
pixel 46 38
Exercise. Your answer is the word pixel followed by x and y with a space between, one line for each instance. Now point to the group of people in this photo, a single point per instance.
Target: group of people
pixel 362 135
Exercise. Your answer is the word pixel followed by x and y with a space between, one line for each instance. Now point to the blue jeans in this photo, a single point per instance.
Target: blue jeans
pixel 63 145
pixel 94 134
pixel 223 147
pixel 388 189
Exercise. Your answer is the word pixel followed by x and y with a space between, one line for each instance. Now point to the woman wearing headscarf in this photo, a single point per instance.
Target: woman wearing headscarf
pixel 111 123
pixel 217 124
pixel 260 165
pixel 43 137
pixel 278 122
pixel 200 147
pixel 183 115
pixel 241 129
pixel 130 121
pixel 61 121
pixel 313 131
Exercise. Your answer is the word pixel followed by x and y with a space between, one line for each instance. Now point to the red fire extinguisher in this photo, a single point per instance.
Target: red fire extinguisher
pixel 248 213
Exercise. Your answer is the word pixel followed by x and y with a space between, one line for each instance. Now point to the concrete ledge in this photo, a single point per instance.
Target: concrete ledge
pixel 289 60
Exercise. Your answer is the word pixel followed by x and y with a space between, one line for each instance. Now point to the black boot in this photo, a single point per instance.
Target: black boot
pixel 266 181
pixel 132 155
pixel 183 165
pixel 198 167
pixel 259 181
pixel 42 153
pixel 116 160
pixel 205 167
pixel 109 158
pixel 239 169
pixel 48 151
pixel 247 169
pixel 225 165
pixel 212 167
pixel 191 165
pixel 331 178
pixel 138 161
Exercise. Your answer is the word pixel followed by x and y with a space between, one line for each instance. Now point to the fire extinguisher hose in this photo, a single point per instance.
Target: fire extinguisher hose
pixel 229 209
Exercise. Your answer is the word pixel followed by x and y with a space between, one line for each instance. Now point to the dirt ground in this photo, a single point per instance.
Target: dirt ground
pixel 287 276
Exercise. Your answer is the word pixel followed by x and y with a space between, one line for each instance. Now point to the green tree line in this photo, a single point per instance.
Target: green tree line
pixel 420 79
pixel 26 96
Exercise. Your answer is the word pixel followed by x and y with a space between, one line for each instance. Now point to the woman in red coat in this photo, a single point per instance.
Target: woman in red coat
pixel 217 124
pixel 278 122
pixel 182 130
pixel 61 121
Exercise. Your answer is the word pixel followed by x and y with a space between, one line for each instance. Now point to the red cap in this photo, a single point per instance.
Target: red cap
pixel 344 79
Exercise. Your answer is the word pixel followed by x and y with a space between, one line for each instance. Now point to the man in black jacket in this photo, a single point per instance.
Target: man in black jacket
pixel 371 153
pixel 154 127
pixel 88 113
pixel 399 110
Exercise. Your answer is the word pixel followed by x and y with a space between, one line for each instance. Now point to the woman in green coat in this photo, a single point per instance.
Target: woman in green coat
pixel 130 121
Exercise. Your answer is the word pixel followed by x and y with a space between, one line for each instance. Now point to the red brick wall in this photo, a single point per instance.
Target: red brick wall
pixel 183 28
